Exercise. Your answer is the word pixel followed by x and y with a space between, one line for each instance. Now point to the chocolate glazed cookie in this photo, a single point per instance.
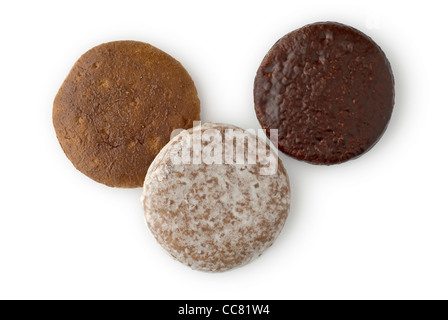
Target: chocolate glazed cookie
pixel 328 89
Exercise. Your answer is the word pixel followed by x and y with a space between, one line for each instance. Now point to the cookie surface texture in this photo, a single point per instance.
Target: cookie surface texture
pixel 211 216
pixel 117 107
pixel 328 89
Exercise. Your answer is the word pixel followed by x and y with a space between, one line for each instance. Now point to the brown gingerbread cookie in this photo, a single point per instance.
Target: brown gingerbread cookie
pixel 328 89
pixel 117 108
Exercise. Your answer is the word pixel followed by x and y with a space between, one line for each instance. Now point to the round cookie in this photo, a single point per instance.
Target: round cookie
pixel 212 216
pixel 117 108
pixel 328 89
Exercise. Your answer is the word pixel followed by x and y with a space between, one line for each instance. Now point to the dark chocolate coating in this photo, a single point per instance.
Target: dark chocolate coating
pixel 328 89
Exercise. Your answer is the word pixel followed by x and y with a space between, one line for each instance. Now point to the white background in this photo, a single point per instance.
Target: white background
pixel 375 227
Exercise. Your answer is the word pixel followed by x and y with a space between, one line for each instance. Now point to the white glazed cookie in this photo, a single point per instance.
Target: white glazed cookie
pixel 215 217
